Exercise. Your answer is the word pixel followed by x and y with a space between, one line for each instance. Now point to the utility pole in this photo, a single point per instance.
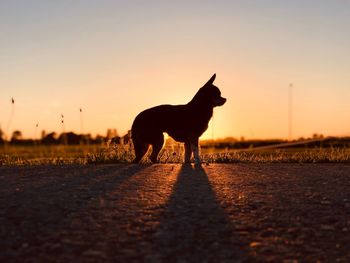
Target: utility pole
pixel 290 111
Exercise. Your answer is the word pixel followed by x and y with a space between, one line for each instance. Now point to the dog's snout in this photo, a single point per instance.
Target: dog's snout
pixel 219 101
pixel 222 101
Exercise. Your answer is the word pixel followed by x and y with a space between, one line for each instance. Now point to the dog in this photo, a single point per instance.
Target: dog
pixel 184 123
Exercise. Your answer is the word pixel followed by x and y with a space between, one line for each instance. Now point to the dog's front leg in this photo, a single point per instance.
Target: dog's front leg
pixel 188 152
pixel 195 149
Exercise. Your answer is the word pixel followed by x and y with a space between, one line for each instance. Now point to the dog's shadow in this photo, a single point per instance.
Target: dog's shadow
pixel 194 222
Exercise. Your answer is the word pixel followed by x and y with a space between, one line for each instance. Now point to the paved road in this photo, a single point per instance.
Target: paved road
pixel 176 213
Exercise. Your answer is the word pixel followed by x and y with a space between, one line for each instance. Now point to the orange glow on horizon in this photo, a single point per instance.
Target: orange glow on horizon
pixel 127 57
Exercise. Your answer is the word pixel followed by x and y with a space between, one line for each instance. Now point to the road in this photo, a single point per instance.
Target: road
pixel 175 213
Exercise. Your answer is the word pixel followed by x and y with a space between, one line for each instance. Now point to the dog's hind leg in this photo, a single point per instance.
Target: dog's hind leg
pixel 140 150
pixel 157 145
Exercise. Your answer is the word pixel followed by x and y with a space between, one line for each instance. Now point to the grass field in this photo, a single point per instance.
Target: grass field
pixel 83 154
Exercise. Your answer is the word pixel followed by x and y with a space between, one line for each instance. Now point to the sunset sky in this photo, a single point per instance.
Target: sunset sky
pixel 116 58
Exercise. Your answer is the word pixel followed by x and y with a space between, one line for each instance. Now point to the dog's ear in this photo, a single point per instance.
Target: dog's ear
pixel 210 82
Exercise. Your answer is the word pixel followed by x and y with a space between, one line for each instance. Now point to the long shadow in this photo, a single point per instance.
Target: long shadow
pixel 195 228
pixel 93 180
pixel 32 216
pixel 21 181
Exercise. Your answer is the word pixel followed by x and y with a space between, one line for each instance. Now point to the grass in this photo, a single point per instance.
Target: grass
pixel 43 154
pixel 96 154
pixel 316 155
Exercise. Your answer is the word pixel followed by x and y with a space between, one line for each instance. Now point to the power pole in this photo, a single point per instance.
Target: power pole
pixel 290 111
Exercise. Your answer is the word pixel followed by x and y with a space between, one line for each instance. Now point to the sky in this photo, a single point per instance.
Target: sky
pixel 114 59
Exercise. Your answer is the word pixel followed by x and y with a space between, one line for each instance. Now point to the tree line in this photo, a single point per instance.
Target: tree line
pixel 65 138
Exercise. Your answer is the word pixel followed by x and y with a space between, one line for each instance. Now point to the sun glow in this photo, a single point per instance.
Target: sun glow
pixel 125 58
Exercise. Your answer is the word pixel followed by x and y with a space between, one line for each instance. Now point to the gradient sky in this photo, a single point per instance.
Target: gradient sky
pixel 116 58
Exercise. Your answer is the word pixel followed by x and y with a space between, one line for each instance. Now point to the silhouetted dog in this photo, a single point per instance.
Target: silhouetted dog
pixel 184 123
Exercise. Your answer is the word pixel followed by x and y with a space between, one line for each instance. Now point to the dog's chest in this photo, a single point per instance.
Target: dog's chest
pixel 192 124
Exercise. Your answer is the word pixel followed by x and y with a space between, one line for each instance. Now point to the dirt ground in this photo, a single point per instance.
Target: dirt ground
pixel 175 213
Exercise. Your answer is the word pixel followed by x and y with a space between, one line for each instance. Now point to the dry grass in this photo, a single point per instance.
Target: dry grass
pixel 93 154
pixel 316 155
pixel 41 155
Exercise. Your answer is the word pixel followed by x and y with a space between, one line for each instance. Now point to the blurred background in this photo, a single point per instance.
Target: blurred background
pixel 89 66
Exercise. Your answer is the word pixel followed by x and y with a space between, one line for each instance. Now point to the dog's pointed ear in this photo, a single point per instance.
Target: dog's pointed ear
pixel 210 82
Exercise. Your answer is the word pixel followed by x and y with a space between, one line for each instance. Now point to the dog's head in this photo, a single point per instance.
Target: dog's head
pixel 212 93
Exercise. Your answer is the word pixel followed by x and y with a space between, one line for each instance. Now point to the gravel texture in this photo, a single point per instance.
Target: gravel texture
pixel 175 213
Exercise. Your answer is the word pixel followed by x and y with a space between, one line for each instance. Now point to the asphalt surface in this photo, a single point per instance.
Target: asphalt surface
pixel 175 213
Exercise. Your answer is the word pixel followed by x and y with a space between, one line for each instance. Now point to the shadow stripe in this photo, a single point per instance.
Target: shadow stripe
pixel 194 227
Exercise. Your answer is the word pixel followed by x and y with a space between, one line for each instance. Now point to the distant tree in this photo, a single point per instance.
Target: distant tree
pixel 86 138
pixel 16 135
pixel 317 136
pixel 49 139
pixel 43 134
pixel 1 137
pixel 126 139
pixel 111 133
pixel 99 139
pixel 70 138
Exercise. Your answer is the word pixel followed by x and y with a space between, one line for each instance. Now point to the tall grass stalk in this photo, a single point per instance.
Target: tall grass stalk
pixel 81 121
pixel 9 122
pixel 64 137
